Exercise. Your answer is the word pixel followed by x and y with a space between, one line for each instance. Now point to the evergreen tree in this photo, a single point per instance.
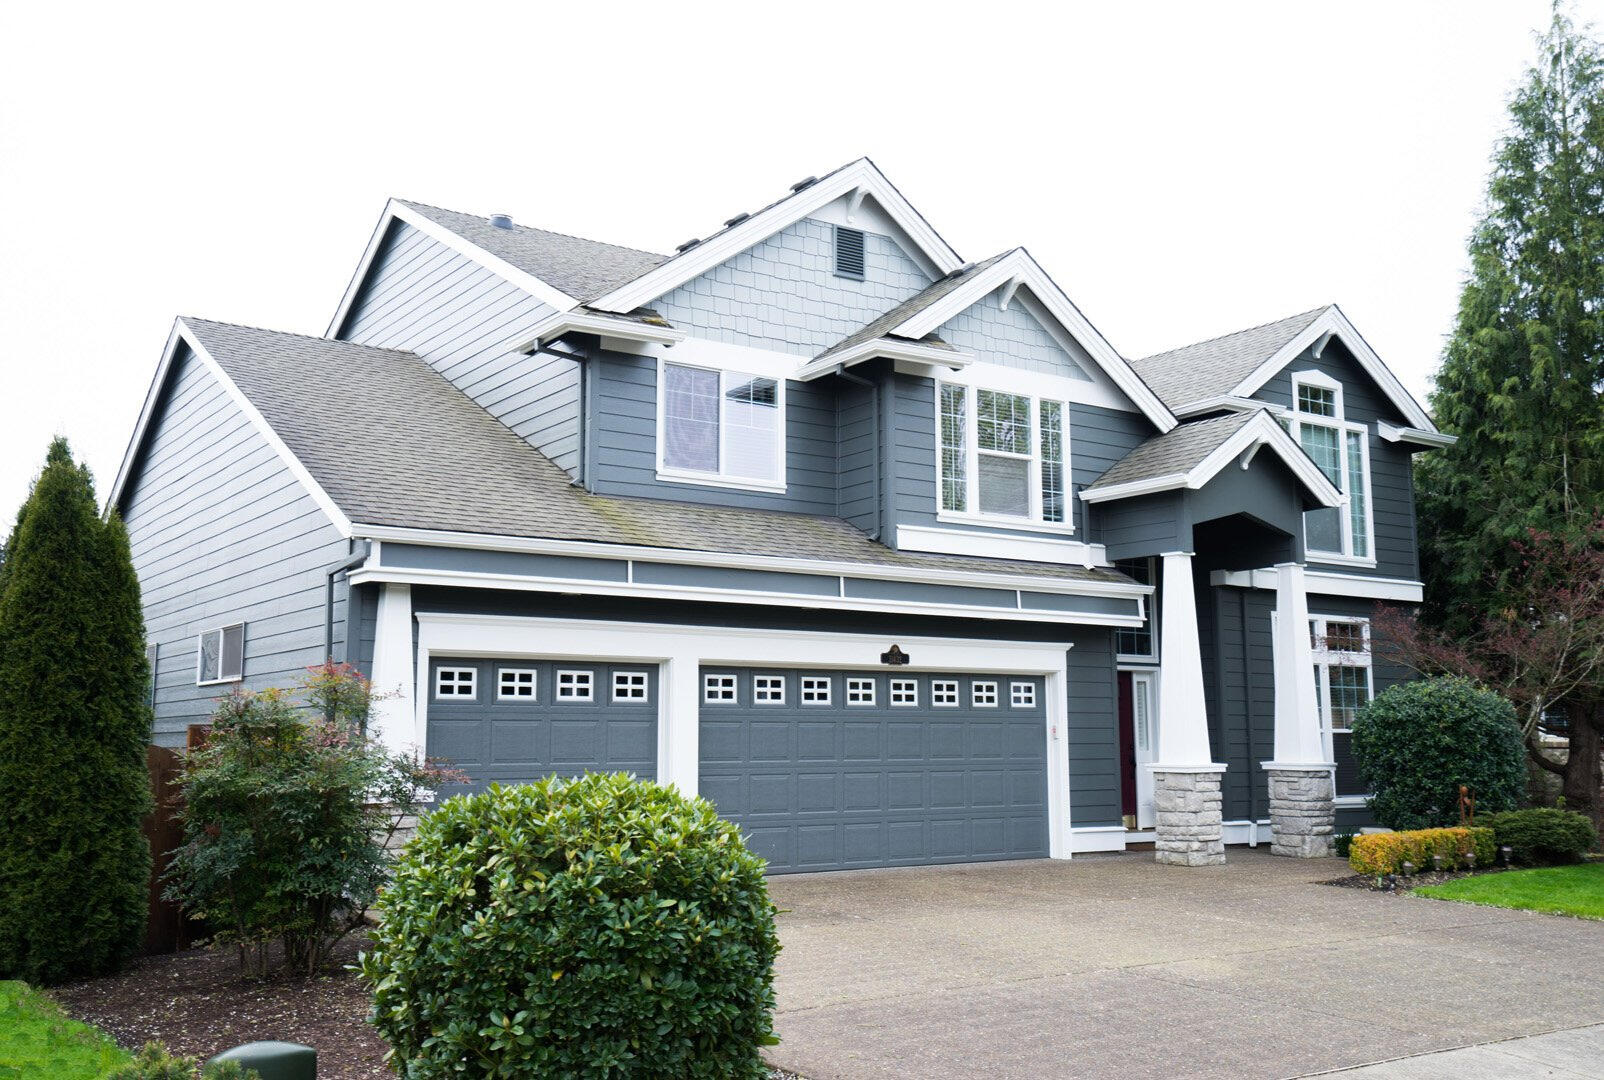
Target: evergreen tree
pixel 74 866
pixel 1522 379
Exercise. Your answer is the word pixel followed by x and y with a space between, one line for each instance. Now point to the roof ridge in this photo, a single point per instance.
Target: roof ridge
pixel 1236 333
pixel 534 228
pixel 338 342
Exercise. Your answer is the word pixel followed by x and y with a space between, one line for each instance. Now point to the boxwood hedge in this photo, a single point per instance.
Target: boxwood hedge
pixel 1542 836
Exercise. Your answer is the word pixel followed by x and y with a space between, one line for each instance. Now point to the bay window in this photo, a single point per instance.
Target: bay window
pixel 720 427
pixel 1341 450
pixel 1003 457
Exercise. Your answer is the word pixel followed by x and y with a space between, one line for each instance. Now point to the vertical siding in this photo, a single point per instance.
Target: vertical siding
pixel 424 297
pixel 784 294
pixel 1093 730
pixel 1012 338
pixel 222 532
pixel 1239 677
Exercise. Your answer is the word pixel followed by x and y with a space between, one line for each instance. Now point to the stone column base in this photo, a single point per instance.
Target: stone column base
pixel 1303 811
pixel 1187 830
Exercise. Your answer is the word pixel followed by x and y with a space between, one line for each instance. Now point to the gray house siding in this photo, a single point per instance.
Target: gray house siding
pixel 860 481
pixel 425 297
pixel 784 294
pixel 1392 487
pixel 1013 338
pixel 222 532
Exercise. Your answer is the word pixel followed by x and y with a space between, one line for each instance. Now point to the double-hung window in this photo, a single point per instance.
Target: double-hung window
pixel 721 427
pixel 1342 451
pixel 1343 686
pixel 1003 458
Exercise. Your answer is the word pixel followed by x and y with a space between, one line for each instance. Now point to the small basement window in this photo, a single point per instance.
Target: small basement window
pixel 849 253
pixel 222 655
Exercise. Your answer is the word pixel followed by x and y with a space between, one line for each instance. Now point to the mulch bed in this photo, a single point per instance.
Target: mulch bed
pixel 1399 884
pixel 197 1003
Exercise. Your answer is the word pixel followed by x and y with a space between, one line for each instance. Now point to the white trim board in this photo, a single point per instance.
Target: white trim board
pixel 1358 586
pixel 996 545
pixel 618 335
pixel 182 334
pixel 1393 433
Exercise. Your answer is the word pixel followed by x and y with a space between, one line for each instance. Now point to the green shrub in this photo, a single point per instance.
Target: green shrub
pixel 1543 837
pixel 1385 853
pixel 74 722
pixel 153 1062
pixel 286 813
pixel 581 928
pixel 1343 844
pixel 1419 741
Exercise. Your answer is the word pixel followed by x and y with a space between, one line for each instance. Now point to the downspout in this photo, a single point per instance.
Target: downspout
pixel 874 390
pixel 352 561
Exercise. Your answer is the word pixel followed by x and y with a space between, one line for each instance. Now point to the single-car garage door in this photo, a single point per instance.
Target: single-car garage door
pixel 827 770
pixel 513 721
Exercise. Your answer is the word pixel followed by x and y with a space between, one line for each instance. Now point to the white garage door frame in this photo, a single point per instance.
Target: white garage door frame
pixel 681 651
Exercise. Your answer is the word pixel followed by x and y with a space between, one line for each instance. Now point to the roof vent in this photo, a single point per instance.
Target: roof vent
pixel 736 220
pixel 501 221
pixel 848 252
pixel 800 184
pixel 687 245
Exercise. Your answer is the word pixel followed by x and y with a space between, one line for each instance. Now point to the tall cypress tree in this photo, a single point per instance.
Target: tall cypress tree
pixel 74 866
pixel 1522 378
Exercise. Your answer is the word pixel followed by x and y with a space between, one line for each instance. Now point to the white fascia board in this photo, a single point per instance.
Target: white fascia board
pixel 907 351
pixel 1227 403
pixel 354 287
pixel 1354 586
pixel 1418 436
pixel 740 561
pixel 182 333
pixel 860 174
pixel 1332 322
pixel 1170 482
pixel 1019 264
pixel 988 544
pixel 587 322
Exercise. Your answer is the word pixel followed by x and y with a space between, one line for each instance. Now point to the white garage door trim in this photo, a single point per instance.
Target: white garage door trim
pixel 682 650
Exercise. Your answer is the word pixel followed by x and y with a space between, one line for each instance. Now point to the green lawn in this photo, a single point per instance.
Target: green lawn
pixel 1562 890
pixel 38 1039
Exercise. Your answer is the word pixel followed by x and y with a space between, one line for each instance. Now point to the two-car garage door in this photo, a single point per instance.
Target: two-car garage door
pixel 822 769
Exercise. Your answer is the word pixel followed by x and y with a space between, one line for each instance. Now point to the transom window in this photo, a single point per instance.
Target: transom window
pixel 1342 451
pixel 983 695
pixel 515 683
pixel 1022 695
pixel 718 688
pixel 721 426
pixel 768 689
pixel 221 655
pixel 629 685
pixel 1343 686
pixel 904 692
pixel 944 692
pixel 456 682
pixel 815 691
pixel 575 686
pixel 860 691
pixel 1003 456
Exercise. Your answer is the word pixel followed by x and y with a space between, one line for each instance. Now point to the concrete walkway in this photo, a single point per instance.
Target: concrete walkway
pixel 1564 1055
pixel 1114 966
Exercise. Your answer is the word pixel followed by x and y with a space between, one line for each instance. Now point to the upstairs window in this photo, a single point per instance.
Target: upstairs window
pixel 849 253
pixel 720 427
pixel 222 655
pixel 1342 451
pixel 1004 458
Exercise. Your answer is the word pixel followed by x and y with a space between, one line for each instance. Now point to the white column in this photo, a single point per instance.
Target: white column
pixel 679 720
pixel 1298 741
pixel 1183 726
pixel 394 719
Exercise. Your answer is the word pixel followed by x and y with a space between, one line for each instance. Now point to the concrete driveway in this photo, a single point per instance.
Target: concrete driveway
pixel 1115 966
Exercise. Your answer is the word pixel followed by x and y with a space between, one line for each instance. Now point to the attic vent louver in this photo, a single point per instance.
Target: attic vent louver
pixel 806 182
pixel 687 245
pixel 501 221
pixel 849 252
pixel 736 220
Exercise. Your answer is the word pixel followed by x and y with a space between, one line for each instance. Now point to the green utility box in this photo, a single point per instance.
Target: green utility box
pixel 275 1060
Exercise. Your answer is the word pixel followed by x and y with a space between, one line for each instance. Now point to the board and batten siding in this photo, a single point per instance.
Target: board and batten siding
pixel 426 298
pixel 222 532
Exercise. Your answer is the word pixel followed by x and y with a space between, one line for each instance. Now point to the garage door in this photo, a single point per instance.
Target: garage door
pixel 827 770
pixel 513 721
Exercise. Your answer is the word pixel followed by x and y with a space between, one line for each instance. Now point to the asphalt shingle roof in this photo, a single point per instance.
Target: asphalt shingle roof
pixel 584 269
pixel 1177 451
pixel 1215 367
pixel 394 443
pixel 908 309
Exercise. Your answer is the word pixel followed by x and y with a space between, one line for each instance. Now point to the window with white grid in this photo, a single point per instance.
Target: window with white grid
pixel 718 687
pixel 1022 695
pixel 815 691
pixel 944 692
pixel 860 691
pixel 456 682
pixel 629 686
pixel 515 683
pixel 768 689
pixel 983 695
pixel 575 686
pixel 904 692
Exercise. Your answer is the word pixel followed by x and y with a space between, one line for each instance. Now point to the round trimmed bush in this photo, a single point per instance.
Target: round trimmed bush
pixel 1542 836
pixel 1419 741
pixel 602 926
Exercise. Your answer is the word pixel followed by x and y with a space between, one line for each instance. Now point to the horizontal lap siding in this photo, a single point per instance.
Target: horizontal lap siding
pixel 1098 438
pixel 1239 681
pixel 857 456
pixel 426 298
pixel 1093 731
pixel 222 532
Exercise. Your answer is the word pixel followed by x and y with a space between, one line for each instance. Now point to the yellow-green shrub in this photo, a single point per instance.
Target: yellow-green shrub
pixel 1385 853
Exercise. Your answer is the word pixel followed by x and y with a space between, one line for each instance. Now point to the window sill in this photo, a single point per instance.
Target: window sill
pixel 676 476
pixel 1333 559
pixel 995 521
pixel 1131 658
pixel 219 682
pixel 1350 802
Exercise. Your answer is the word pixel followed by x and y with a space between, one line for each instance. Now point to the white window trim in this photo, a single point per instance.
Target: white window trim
pixel 948 686
pixel 589 685
pixel 822 682
pixel 974 694
pixel 534 684
pixel 1324 660
pixel 714 685
pixel 856 685
pixel 903 686
pixel 1150 609
pixel 200 654
pixel 474 681
pixel 971 516
pixel 1343 426
pixel 778 688
pixel 674 475
pixel 644 685
pixel 1016 689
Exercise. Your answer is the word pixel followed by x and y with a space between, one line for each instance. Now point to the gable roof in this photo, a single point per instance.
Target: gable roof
pixel 392 443
pixel 1192 454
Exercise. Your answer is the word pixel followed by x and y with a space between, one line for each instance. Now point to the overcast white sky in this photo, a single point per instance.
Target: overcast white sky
pixel 1183 170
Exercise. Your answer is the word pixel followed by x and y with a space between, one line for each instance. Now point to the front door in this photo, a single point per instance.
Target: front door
pixel 1136 740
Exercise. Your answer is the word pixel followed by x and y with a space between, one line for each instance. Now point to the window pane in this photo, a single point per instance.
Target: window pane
pixel 1137 641
pixel 1004 421
pixel 232 664
pixel 752 428
pixel 211 645
pixel 1004 485
pixel 1344 637
pixel 1320 443
pixel 954 487
pixel 690 418
pixel 1052 461
pixel 1350 691
pixel 1359 523
pixel 1317 401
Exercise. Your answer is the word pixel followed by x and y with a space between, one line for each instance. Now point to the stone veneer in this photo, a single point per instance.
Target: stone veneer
pixel 1303 812
pixel 1187 828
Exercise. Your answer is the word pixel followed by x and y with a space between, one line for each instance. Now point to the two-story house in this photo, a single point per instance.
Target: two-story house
pixel 890 554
